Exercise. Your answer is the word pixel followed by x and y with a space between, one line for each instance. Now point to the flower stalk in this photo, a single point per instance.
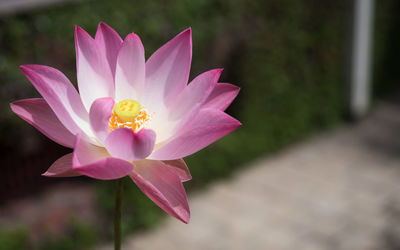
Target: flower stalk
pixel 117 215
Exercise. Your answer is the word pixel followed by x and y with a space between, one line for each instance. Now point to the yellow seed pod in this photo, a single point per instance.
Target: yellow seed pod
pixel 127 110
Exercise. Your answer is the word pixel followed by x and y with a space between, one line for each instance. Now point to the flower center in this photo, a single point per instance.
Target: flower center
pixel 129 114
pixel 127 110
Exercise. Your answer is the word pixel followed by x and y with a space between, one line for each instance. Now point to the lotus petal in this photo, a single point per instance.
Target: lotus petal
pixel 38 113
pixel 125 144
pixel 109 42
pixel 207 127
pixel 60 95
pixel 180 168
pixel 195 93
pixel 163 187
pixel 95 162
pixel 167 70
pixel 62 168
pixel 130 75
pixel 221 96
pixel 95 79
pixel 99 116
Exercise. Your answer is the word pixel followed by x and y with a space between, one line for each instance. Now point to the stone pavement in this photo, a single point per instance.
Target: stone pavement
pixel 338 190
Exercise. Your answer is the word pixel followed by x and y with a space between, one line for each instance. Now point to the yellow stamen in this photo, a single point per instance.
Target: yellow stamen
pixel 129 114
pixel 127 110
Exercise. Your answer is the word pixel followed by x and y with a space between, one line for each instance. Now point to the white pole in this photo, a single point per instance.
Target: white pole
pixel 361 57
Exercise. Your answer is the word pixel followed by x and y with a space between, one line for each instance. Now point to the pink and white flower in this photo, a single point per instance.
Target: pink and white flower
pixel 131 116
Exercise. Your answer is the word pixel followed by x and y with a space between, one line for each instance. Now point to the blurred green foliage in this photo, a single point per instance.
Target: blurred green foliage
pixel 17 239
pixel 77 236
pixel 288 57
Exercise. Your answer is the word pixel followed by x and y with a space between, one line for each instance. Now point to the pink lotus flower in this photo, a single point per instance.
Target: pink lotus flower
pixel 130 117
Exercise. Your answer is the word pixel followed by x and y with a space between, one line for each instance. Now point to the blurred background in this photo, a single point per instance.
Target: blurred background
pixel 309 169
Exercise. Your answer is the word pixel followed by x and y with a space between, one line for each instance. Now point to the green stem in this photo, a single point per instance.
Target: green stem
pixel 117 215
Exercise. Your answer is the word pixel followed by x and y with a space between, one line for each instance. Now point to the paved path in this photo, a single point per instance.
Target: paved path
pixel 338 190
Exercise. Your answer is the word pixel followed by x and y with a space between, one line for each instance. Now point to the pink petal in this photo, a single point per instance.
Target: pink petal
pixel 95 79
pixel 95 162
pixel 167 70
pixel 130 75
pixel 99 115
pixel 208 126
pixel 60 95
pixel 163 187
pixel 180 168
pixel 38 113
pixel 109 43
pixel 61 168
pixel 125 144
pixel 221 96
pixel 195 93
